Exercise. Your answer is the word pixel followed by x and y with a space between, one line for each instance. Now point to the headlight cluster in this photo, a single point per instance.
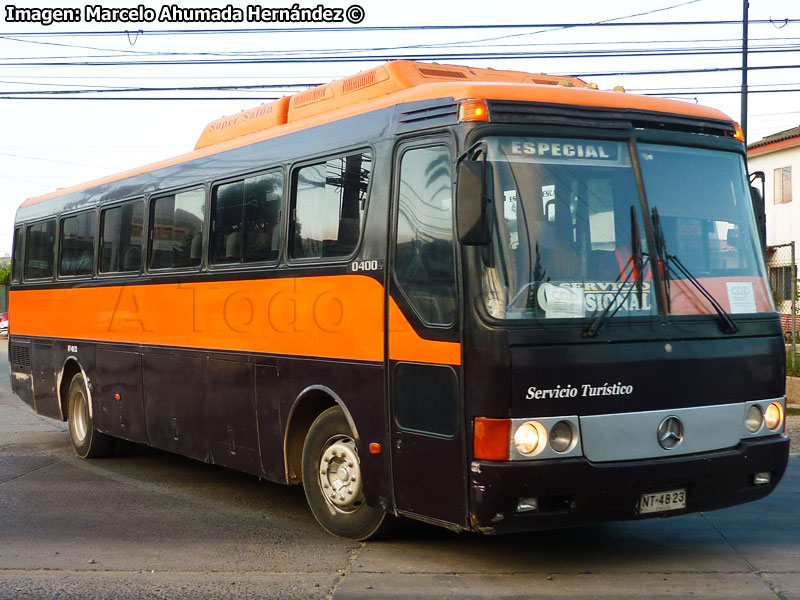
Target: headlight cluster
pixel 532 437
pixel 771 418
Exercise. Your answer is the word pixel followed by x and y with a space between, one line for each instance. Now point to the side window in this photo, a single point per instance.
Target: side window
pixel 329 200
pixel 122 237
pixel 16 257
pixel 424 257
pixel 77 245
pixel 246 220
pixel 40 250
pixel 783 185
pixel 176 230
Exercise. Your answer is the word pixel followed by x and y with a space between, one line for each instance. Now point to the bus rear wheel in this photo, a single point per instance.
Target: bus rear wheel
pixel 86 440
pixel 333 482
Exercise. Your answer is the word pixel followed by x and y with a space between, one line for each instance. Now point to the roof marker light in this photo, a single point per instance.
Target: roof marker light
pixel 474 109
pixel 739 135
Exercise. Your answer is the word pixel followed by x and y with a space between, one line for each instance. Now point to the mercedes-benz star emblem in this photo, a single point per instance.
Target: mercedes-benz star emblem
pixel 670 433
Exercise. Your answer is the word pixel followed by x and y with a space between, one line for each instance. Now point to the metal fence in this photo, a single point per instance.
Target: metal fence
pixel 782 268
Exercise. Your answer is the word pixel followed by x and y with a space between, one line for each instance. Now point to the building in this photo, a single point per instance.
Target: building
pixel 777 156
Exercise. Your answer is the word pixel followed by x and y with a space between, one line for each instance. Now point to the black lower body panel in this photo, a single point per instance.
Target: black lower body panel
pixel 573 492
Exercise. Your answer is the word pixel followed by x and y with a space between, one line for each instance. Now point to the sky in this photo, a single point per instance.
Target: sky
pixel 50 140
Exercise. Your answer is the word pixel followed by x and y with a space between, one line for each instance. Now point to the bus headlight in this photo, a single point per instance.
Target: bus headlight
pixel 773 418
pixel 754 419
pixel 562 437
pixel 530 438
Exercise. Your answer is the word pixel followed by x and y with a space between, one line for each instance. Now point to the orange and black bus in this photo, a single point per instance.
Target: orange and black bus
pixel 490 300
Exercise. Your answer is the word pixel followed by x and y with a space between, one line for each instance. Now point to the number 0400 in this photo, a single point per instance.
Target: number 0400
pixel 365 265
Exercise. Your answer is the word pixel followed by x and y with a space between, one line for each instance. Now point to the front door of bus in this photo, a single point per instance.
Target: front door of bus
pixel 423 338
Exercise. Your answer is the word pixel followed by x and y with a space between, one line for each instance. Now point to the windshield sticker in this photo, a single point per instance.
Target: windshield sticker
pixel 549 202
pixel 741 296
pixel 561 300
pixel 586 152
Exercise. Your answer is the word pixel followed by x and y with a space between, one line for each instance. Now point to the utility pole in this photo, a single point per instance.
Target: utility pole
pixel 746 5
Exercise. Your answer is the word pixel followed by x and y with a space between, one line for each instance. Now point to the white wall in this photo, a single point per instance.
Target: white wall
pixel 781 218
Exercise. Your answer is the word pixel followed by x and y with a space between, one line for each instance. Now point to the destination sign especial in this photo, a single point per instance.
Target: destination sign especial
pixel 567 149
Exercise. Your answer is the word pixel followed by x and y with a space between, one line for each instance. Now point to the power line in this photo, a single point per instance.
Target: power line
pixel 355 53
pixel 287 87
pixel 139 98
pixel 676 71
pixel 383 58
pixel 55 95
pixel 153 89
pixel 716 92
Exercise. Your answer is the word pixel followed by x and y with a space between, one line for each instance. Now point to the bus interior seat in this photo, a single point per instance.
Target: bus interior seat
pixel 197 247
pixel 233 245
pixel 349 229
pixel 555 241
pixel 132 259
pixel 603 265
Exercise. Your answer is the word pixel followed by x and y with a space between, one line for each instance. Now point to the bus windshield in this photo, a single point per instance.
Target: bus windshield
pixel 568 232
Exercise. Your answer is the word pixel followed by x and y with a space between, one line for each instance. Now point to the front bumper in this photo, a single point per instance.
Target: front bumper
pixel 576 491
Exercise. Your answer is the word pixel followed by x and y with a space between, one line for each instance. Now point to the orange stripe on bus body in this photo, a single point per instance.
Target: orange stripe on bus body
pixel 406 345
pixel 326 316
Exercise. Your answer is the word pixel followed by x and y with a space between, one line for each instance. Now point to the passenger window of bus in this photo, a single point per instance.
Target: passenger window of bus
pixel 329 203
pixel 424 260
pixel 176 230
pixel 245 220
pixel 40 250
pixel 77 245
pixel 122 238
pixel 16 257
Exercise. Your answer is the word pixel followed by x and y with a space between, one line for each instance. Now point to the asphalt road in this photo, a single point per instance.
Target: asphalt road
pixel 153 525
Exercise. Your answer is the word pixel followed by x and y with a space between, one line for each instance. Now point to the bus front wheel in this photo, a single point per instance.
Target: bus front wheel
pixel 333 482
pixel 86 440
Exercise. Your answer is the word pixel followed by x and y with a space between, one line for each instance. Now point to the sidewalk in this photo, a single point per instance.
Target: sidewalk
pixel 793 390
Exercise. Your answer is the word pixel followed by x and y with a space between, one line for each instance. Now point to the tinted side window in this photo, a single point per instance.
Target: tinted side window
pixel 16 257
pixel 329 202
pixel 176 230
pixel 245 220
pixel 40 250
pixel 77 245
pixel 122 238
pixel 424 260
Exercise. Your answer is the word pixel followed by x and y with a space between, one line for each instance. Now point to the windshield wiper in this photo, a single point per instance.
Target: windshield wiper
pixel 729 325
pixel 634 268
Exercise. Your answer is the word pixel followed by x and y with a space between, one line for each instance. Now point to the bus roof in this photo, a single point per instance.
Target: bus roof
pixel 393 83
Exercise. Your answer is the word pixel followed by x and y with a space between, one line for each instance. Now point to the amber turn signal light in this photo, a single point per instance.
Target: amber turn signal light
pixel 739 135
pixel 491 438
pixel 473 110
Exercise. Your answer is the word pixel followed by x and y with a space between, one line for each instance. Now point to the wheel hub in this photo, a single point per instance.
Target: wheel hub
pixel 79 419
pixel 340 475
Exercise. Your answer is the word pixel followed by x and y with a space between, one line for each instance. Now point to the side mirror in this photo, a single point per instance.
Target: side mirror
pixel 761 215
pixel 472 219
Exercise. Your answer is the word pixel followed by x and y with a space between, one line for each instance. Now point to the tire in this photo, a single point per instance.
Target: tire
pixel 86 440
pixel 331 462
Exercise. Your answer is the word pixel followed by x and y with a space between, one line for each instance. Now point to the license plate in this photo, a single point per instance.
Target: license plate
pixel 662 501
